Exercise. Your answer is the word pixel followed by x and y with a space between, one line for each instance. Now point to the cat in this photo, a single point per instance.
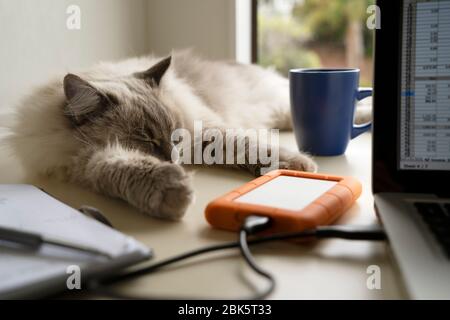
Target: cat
pixel 109 128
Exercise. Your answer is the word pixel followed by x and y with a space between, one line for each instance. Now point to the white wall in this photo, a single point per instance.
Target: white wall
pixel 35 43
pixel 207 25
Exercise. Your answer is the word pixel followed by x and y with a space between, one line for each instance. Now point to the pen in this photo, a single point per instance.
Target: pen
pixel 35 241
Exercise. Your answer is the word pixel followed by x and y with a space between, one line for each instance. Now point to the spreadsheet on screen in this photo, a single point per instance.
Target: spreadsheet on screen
pixel 425 86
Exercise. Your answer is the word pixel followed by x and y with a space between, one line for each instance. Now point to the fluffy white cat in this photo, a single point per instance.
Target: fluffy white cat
pixel 109 127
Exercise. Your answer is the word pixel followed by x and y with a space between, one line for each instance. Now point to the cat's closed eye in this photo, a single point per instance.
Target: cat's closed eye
pixel 145 141
pixel 152 146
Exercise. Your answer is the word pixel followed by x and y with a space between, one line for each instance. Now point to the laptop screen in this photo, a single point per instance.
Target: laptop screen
pixel 425 86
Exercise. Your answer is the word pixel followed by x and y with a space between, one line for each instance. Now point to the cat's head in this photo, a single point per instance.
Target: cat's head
pixel 126 110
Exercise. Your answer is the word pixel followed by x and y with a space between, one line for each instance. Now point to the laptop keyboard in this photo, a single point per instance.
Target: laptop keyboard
pixel 437 217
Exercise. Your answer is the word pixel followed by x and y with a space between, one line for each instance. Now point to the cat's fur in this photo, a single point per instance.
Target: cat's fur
pixel 109 127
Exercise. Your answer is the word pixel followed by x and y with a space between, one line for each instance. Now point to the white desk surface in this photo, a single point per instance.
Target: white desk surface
pixel 329 269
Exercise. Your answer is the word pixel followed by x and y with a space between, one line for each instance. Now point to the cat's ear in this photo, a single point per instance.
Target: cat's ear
pixel 154 75
pixel 84 101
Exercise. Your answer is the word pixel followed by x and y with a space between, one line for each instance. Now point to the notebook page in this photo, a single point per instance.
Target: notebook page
pixel 27 208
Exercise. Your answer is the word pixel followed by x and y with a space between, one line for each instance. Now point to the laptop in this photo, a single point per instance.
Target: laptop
pixel 411 146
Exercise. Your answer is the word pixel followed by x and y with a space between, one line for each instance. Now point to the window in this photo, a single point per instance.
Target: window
pixel 314 34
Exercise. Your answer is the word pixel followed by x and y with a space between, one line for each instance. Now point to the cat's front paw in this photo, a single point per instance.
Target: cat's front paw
pixel 297 161
pixel 172 190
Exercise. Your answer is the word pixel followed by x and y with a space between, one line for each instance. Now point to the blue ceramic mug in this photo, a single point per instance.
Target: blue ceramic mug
pixel 323 105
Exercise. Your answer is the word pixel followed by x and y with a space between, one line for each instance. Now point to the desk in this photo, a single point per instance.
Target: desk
pixel 329 269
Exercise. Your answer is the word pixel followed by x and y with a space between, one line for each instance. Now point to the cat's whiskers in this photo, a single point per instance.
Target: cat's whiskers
pixel 81 136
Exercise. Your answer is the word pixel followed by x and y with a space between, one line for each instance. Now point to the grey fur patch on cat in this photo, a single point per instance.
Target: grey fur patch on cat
pixel 108 128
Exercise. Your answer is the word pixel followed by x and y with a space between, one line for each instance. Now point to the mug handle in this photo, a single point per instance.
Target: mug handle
pixel 361 128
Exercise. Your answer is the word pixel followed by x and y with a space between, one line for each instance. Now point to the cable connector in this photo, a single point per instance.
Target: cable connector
pixel 255 224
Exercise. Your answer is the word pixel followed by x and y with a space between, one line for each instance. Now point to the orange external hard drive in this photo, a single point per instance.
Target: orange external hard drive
pixel 294 201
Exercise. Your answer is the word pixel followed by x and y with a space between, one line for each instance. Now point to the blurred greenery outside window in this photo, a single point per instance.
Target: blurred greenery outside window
pixel 315 34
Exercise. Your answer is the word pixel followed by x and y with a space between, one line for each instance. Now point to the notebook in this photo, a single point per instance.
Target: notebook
pixel 31 274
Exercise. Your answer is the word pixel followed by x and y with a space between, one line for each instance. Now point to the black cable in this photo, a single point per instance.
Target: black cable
pixel 243 246
pixel 228 245
pixel 252 225
pixel 101 287
pixel 349 232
